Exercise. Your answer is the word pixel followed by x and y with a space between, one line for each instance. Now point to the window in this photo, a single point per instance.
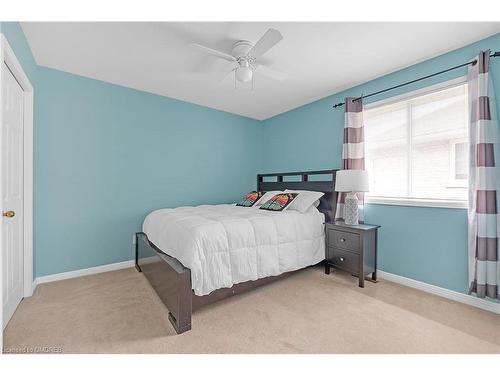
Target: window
pixel 416 147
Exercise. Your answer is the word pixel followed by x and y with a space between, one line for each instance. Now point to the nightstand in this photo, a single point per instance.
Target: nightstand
pixel 352 248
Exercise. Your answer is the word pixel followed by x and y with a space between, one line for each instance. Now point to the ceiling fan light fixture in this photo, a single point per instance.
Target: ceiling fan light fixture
pixel 244 74
pixel 245 56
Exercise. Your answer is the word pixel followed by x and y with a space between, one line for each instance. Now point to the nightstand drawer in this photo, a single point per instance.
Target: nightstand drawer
pixel 344 240
pixel 344 259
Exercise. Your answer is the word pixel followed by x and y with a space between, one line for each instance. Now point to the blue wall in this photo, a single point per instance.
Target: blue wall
pixel 105 156
pixel 426 244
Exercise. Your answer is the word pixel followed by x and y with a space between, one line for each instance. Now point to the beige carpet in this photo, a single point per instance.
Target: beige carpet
pixel 309 312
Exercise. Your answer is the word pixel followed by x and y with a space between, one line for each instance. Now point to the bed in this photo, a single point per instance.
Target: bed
pixel 193 256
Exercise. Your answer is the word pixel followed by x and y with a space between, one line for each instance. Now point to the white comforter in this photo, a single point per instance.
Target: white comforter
pixel 226 244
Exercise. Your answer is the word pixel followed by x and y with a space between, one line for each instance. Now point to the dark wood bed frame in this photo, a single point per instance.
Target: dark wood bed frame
pixel 172 281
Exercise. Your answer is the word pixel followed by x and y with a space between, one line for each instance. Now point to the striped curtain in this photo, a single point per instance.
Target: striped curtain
pixel 353 150
pixel 484 182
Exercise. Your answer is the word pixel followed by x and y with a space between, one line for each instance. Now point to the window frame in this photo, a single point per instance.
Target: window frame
pixel 417 202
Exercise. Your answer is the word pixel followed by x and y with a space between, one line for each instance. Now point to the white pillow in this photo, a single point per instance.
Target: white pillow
pixel 304 200
pixel 268 195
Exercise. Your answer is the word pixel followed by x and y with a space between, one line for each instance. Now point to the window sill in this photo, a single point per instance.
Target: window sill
pixel 436 203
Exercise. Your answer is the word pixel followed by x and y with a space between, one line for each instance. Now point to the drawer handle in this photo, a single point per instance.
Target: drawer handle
pixel 342 240
pixel 341 259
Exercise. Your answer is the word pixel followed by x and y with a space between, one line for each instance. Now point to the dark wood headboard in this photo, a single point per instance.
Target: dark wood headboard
pixel 328 202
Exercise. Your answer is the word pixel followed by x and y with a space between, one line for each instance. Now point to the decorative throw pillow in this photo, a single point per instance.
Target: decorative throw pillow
pixel 268 195
pixel 279 202
pixel 250 199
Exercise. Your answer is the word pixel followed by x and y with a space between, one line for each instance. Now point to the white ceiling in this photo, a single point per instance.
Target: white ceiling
pixel 320 58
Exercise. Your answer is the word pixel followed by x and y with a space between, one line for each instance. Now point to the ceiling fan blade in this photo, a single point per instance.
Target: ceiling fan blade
pixel 223 78
pixel 271 73
pixel 264 44
pixel 214 52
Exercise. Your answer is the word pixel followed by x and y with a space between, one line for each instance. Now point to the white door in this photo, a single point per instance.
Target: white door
pixel 12 194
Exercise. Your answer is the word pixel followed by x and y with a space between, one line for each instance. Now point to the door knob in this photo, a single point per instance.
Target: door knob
pixel 9 214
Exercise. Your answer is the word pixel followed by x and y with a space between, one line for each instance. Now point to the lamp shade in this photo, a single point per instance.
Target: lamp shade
pixel 351 180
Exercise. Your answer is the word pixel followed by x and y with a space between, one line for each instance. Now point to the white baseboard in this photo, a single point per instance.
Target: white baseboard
pixel 442 292
pixel 82 272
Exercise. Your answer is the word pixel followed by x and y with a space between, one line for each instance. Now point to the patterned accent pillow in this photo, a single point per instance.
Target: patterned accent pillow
pixel 279 202
pixel 250 199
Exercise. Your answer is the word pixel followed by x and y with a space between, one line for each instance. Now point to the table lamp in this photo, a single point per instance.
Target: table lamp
pixel 351 181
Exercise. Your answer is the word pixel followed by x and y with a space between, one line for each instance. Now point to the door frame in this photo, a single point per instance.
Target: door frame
pixel 8 57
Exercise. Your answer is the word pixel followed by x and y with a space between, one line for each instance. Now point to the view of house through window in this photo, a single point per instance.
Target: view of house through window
pixel 417 147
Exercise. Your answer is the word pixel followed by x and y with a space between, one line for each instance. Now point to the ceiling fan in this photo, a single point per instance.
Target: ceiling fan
pixel 245 57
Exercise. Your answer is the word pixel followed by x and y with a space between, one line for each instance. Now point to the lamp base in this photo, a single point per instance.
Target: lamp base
pixel 351 209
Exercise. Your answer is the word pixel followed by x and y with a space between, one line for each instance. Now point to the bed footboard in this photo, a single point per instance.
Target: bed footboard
pixel 169 278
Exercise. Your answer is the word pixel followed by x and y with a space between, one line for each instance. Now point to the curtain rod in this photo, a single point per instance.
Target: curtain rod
pixel 474 62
